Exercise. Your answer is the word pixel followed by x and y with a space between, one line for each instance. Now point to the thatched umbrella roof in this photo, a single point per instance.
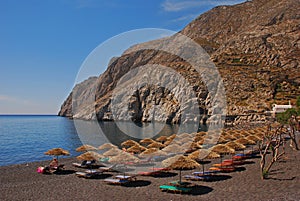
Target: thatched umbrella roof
pixel 123 157
pixel 253 138
pixel 213 155
pixel 229 137
pixel 181 163
pixel 148 152
pixel 173 148
pixel 89 156
pixel 169 161
pixel 198 154
pixel 147 141
pixel 129 143
pixel 203 154
pixel 162 138
pixel 156 153
pixel 184 163
pixel 112 152
pixel 236 146
pixel 245 141
pixel 171 137
pixel 201 134
pixel 156 145
pixel 86 147
pixel 57 152
pixel 136 149
pixel 107 146
pixel 222 149
pixel 198 138
pixel 237 135
pixel 168 142
pixel 222 140
pixel 183 135
pixel 186 139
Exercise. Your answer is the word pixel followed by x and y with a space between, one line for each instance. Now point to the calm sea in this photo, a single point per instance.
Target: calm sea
pixel 25 138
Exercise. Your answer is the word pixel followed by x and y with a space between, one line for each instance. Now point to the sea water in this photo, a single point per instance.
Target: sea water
pixel 25 138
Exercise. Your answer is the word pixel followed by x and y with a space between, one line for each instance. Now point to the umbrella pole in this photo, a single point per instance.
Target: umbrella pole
pixel 179 176
pixel 202 166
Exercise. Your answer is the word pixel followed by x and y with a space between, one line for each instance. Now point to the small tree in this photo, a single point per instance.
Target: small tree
pixel 292 132
pixel 273 141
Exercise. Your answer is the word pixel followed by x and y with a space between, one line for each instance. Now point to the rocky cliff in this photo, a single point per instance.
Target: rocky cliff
pixel 255 46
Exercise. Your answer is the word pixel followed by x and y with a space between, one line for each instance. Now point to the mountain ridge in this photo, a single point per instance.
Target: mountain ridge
pixel 255 46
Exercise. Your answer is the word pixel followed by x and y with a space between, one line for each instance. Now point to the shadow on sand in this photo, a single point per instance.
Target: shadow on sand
pixel 215 178
pixel 165 174
pixel 240 169
pixel 101 176
pixel 137 183
pixel 64 172
pixel 200 190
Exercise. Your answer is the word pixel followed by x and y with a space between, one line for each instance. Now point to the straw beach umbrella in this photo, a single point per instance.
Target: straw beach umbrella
pixel 123 158
pixel 173 148
pixel 112 152
pixel 181 163
pixel 89 156
pixel 57 152
pixel 129 143
pixel 171 137
pixel 213 155
pixel 146 141
pixel 222 150
pixel 245 141
pixel 236 146
pixel 148 152
pixel 253 138
pixel 136 149
pixel 86 147
pixel 107 146
pixel 162 139
pixel 156 145
pixel 199 157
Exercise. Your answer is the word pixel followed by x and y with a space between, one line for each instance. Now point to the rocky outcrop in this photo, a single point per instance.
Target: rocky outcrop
pixel 255 46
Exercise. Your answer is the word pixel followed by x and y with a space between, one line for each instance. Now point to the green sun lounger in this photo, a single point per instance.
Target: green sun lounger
pixel 175 189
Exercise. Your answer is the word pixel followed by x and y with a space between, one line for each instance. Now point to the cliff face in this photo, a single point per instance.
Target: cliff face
pixel 255 46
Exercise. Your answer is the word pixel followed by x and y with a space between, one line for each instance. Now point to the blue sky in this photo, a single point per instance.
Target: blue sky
pixel 44 42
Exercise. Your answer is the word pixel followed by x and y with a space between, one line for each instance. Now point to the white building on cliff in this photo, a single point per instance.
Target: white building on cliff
pixel 280 108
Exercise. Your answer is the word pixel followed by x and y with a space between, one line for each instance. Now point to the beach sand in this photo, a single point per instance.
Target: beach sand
pixel 22 182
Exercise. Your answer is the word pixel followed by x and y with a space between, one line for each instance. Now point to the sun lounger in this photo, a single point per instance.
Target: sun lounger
pixel 116 181
pixel 210 172
pixel 109 168
pixel 235 162
pixel 86 164
pixel 89 173
pixel 198 178
pixel 178 183
pixel 223 169
pixel 126 177
pixel 149 173
pixel 159 169
pixel 175 189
